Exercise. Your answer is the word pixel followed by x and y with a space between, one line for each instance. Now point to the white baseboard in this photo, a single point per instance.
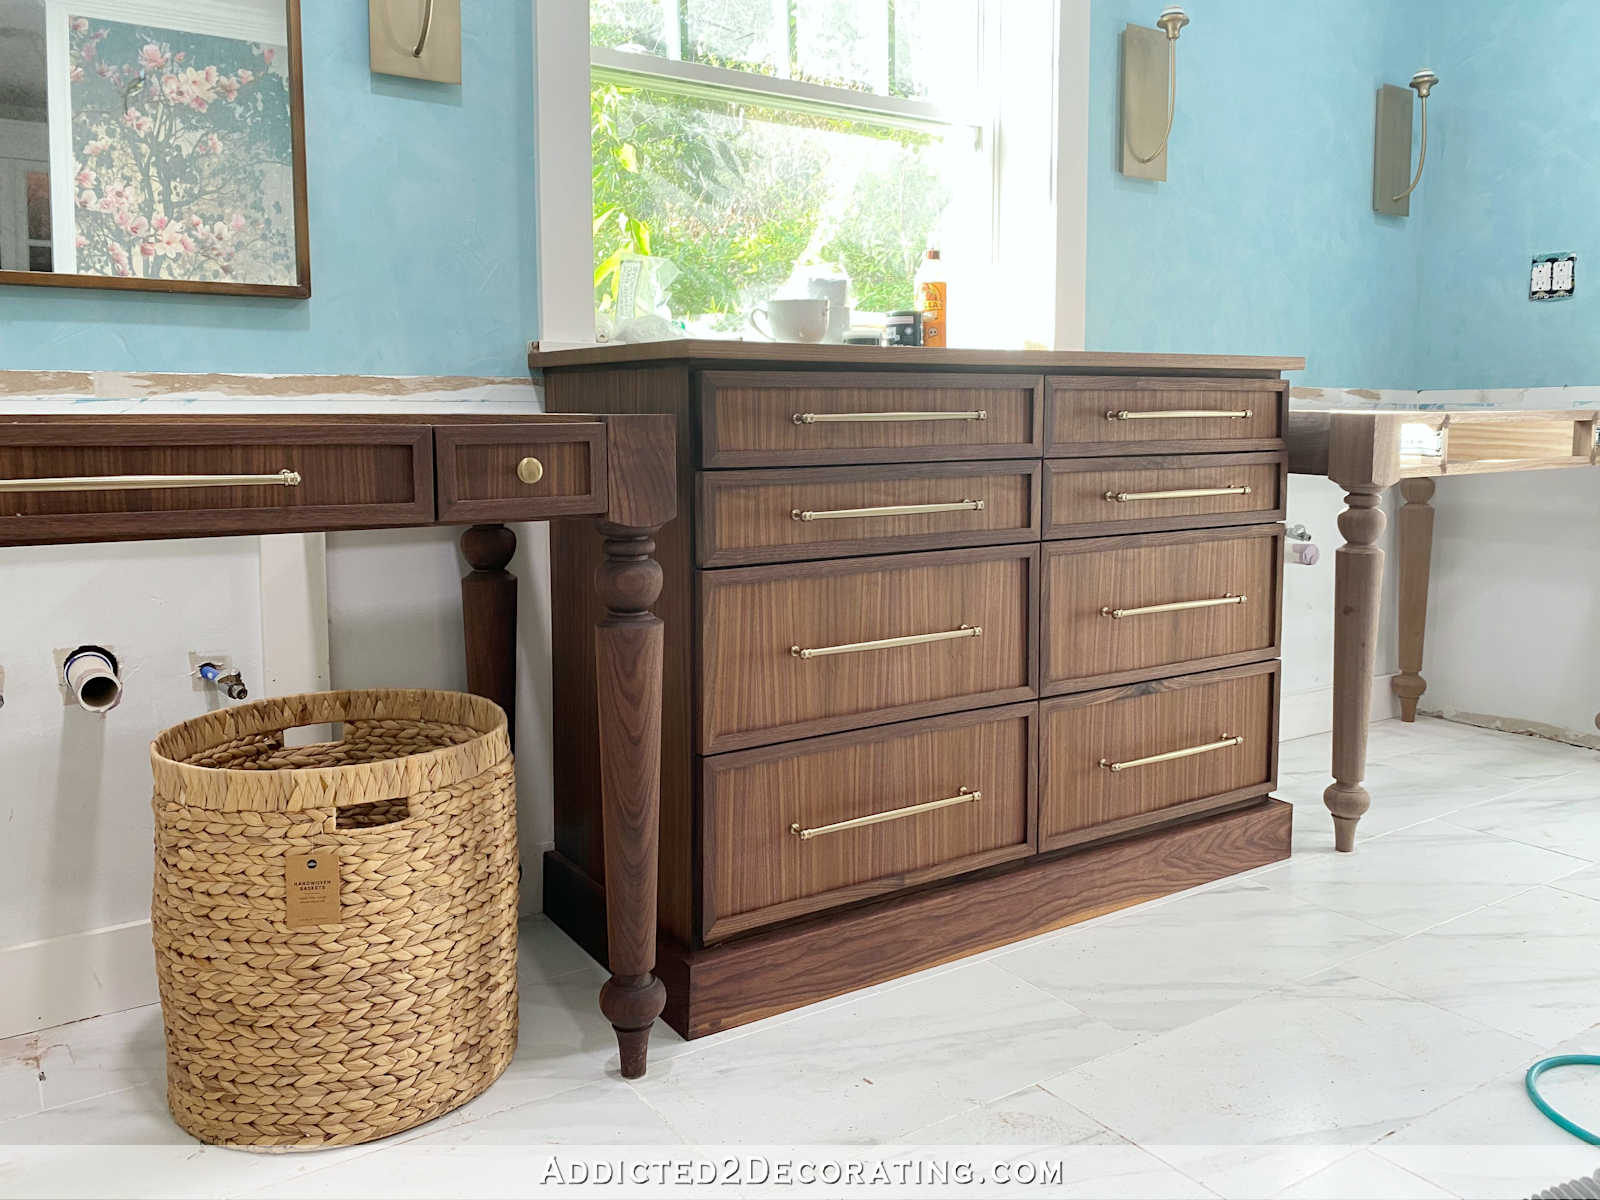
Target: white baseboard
pixel 82 975
pixel 530 897
pixel 1305 714
pixel 76 976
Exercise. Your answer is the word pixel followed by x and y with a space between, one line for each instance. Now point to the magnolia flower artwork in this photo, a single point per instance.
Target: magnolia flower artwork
pixel 182 155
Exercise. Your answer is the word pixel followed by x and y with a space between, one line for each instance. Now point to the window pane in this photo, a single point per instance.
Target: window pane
pixel 628 25
pixel 747 202
pixel 921 49
pixel 935 49
pixel 844 43
pixel 742 35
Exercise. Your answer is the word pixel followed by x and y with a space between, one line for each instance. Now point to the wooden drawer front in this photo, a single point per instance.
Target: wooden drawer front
pixel 758 866
pixel 1113 415
pixel 484 471
pixel 1081 737
pixel 349 476
pixel 1085 643
pixel 763 680
pixel 767 419
pixel 770 516
pixel 1086 496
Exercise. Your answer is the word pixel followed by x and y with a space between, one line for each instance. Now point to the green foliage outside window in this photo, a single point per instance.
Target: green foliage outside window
pixel 736 196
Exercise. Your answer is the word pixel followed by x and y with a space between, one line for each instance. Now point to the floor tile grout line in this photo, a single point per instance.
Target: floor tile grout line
pixel 1441 816
pixel 1439 1008
pixel 1372 1148
pixel 1406 937
pixel 56 1108
pixel 1508 837
pixel 683 1135
pixel 1377 1150
pixel 1529 786
pixel 1393 991
pixel 1353 1151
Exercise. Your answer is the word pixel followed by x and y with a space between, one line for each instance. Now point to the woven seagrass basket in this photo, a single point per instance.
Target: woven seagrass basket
pixel 305 1035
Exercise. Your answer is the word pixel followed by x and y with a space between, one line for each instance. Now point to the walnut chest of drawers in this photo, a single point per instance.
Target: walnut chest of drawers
pixel 961 647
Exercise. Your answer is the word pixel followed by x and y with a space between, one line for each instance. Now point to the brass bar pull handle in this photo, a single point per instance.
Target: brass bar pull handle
pixel 978 414
pixel 140 483
pixel 1180 414
pixel 890 510
pixel 915 639
pixel 427 27
pixel 1178 494
pixel 894 814
pixel 1116 614
pixel 1224 742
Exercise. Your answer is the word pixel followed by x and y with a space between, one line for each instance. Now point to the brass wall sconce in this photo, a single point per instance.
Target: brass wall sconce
pixel 1391 151
pixel 418 39
pixel 1150 93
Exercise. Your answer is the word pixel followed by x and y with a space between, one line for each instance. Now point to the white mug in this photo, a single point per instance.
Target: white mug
pixel 793 320
pixel 836 292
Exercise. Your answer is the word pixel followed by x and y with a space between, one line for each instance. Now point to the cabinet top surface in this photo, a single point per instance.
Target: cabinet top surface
pixel 547 356
pixel 267 421
pixel 1438 416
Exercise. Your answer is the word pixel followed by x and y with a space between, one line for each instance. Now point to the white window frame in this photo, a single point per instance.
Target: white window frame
pixel 1038 230
pixel 24 147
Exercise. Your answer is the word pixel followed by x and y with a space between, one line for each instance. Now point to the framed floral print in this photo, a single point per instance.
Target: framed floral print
pixel 163 145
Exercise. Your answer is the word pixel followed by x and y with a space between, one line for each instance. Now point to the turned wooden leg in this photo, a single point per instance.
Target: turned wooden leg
pixel 489 617
pixel 1414 531
pixel 628 645
pixel 1358 586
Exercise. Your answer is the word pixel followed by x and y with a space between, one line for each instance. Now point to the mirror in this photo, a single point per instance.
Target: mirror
pixel 153 145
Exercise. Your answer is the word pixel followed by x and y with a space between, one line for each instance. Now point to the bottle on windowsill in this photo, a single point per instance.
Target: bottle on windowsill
pixel 932 292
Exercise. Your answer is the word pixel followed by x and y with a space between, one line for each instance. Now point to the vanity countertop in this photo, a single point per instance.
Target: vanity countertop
pixel 543 356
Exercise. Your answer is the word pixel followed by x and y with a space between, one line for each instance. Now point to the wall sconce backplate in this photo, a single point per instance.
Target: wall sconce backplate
pixel 1145 62
pixel 418 39
pixel 1391 152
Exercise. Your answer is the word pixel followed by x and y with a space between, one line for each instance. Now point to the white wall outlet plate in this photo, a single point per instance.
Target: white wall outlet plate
pixel 1553 276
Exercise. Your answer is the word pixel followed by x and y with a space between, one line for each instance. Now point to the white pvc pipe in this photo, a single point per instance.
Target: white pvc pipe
pixel 93 680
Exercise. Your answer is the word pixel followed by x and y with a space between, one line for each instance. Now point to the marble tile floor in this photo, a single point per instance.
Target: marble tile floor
pixel 1333 1026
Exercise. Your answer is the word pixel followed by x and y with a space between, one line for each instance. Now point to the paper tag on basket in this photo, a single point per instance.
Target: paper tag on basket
pixel 311 886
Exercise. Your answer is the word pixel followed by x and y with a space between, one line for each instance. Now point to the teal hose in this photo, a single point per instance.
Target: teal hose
pixel 1532 1082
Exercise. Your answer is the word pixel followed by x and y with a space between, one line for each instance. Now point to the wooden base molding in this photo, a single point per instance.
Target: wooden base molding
pixel 754 977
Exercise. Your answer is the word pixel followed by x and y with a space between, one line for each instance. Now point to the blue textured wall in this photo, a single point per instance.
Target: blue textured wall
pixel 1513 171
pixel 1263 239
pixel 422 232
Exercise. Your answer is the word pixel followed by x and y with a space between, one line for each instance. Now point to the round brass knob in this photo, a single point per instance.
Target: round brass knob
pixel 530 470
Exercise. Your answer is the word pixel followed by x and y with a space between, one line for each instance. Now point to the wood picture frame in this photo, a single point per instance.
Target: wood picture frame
pixel 299 289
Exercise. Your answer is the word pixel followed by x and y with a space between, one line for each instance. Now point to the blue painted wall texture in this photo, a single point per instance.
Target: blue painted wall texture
pixel 1263 239
pixel 1513 171
pixel 422 232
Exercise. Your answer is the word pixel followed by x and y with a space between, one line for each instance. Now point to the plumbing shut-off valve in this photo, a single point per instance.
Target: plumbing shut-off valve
pixel 229 683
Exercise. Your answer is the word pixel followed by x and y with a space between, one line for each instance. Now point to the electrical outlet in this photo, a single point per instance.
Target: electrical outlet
pixel 1553 276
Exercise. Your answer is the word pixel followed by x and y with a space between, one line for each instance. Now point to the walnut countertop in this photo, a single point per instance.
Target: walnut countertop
pixel 728 353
